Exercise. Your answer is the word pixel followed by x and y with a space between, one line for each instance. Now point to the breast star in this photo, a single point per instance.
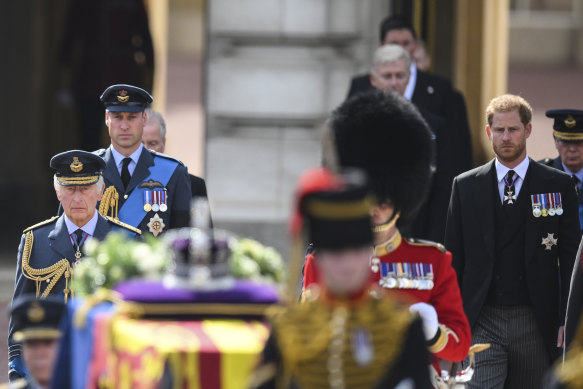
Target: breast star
pixel 549 241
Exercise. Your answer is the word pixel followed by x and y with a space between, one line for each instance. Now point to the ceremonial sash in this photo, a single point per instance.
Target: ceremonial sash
pixel 132 211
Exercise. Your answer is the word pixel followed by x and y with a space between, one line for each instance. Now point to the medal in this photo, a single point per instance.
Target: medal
pixel 551 204
pixel 536 211
pixel 163 206
pixel 155 201
pixel 535 201
pixel 147 205
pixel 544 211
pixel 559 209
pixel 362 349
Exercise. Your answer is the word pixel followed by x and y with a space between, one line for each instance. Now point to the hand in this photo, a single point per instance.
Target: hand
pixel 561 337
pixel 429 316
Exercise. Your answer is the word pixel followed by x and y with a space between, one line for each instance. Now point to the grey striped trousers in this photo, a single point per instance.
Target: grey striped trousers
pixel 517 357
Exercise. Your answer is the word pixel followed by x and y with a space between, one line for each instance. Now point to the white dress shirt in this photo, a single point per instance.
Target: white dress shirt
pixel 412 81
pixel 501 172
pixel 88 228
pixel 118 158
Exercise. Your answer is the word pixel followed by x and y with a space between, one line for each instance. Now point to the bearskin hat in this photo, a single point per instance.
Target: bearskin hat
pixel 383 134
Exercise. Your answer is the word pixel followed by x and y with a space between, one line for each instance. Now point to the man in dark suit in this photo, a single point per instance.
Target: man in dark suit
pixel 151 190
pixel 390 71
pixel 427 91
pixel 568 135
pixel 48 250
pixel 154 138
pixel 513 232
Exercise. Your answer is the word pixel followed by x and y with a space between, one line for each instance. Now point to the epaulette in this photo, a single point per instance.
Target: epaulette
pixel 37 225
pixel 426 243
pixel 157 154
pixel 124 225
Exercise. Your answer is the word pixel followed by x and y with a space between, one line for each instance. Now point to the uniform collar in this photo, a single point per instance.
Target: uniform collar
pixel 389 246
pixel 88 228
pixel 578 174
pixel 118 157
pixel 521 169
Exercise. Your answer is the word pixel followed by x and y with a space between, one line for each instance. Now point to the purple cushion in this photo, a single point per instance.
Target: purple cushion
pixel 241 292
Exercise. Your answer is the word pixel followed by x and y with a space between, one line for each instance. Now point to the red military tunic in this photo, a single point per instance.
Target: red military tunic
pixel 425 261
pixel 423 271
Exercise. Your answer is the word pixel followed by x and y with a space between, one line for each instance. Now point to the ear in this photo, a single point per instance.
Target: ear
pixel 489 131
pixel 528 129
pixel 144 117
pixel 107 118
pixel 100 194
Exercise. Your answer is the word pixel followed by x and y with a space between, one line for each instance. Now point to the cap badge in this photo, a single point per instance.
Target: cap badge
pixel 123 96
pixel 35 313
pixel 570 122
pixel 76 166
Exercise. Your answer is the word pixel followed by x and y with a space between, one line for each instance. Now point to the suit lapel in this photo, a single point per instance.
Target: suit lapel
pixel 60 241
pixel 485 178
pixel 111 171
pixel 102 228
pixel 142 169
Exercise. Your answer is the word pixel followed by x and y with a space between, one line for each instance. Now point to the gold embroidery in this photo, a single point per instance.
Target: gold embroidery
pixel 76 166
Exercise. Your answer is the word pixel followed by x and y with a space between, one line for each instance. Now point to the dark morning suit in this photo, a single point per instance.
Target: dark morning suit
pixel 430 221
pixel 51 243
pixel 437 95
pixel 472 237
pixel 178 188
pixel 197 186
pixel 575 303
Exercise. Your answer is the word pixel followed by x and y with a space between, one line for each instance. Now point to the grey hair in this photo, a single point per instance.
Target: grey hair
pixel 158 116
pixel 100 184
pixel 389 53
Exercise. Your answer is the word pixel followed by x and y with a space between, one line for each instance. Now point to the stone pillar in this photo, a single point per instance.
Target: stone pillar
pixel 481 65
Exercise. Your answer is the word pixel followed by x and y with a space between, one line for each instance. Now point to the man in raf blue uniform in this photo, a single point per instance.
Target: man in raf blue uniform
pixel 49 250
pixel 146 189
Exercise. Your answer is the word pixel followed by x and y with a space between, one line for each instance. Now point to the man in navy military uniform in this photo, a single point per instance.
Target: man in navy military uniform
pixel 36 326
pixel 49 250
pixel 568 135
pixel 151 190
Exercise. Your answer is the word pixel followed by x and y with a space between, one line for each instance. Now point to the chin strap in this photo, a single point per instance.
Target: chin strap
pixel 388 225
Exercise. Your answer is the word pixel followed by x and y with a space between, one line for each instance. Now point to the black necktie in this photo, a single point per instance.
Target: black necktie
pixel 509 190
pixel 125 172
pixel 576 181
pixel 79 236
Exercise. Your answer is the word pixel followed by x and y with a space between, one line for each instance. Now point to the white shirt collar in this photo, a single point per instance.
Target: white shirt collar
pixel 118 157
pixel 89 227
pixel 520 169
pixel 412 81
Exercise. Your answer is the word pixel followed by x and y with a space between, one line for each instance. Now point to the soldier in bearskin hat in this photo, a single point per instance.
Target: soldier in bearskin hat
pixel 347 334
pixel 384 135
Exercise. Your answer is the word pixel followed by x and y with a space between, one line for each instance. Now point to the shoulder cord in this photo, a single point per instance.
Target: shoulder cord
pixel 51 274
